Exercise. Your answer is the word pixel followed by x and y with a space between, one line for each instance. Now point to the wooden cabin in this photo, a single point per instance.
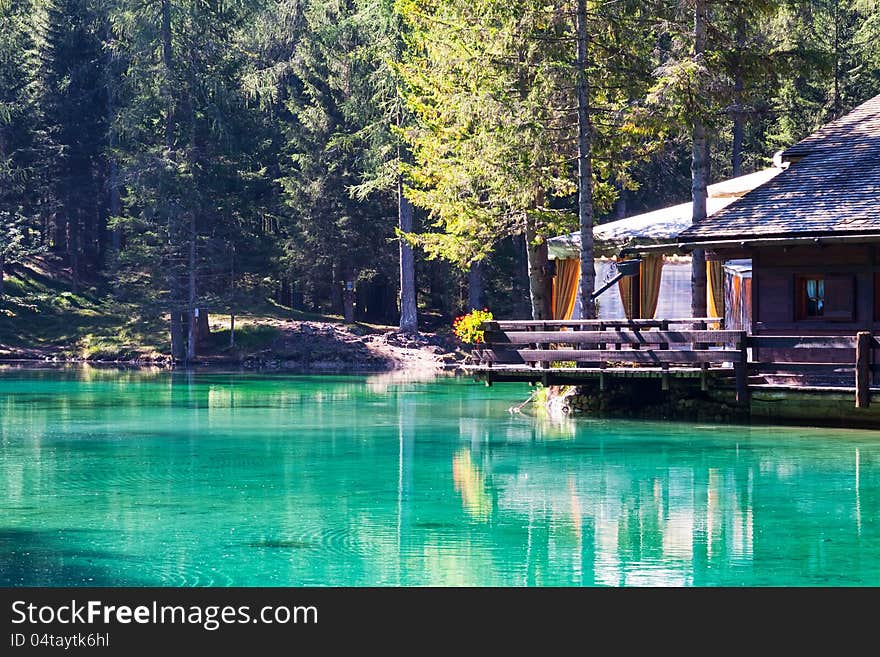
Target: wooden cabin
pixel 793 267
pixel 812 233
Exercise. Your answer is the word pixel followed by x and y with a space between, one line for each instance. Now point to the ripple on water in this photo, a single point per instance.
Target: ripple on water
pixel 282 544
pixel 329 540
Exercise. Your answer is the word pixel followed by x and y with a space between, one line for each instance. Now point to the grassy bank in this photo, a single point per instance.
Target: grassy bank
pixel 42 318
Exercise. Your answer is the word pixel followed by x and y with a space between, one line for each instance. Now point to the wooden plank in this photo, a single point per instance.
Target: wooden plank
pixel 513 325
pixel 495 337
pixel 863 369
pixel 843 356
pixel 802 341
pixel 646 372
pixel 498 356
pixel 699 328
pixel 798 368
pixel 630 356
pixel 614 337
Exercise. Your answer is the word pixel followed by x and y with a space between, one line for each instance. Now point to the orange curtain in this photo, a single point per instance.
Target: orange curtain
pixel 715 288
pixel 565 287
pixel 648 287
pixel 650 273
pixel 625 287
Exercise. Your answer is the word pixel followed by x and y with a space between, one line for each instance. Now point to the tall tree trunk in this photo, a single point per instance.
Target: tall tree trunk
pixel 348 307
pixel 699 176
pixel 739 116
pixel 192 337
pixel 232 295
pixel 521 277
pixel 409 322
pixel 337 285
pixel 836 102
pixel 2 274
pixel 539 279
pixel 73 251
pixel 114 200
pixel 168 63
pixel 475 286
pixel 59 232
pixel 203 330
pixel 585 168
pixel 348 296
pixel 177 331
pixel 197 317
pixel 738 126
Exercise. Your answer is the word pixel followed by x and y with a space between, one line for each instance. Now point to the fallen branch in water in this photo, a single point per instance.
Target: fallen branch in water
pixel 519 407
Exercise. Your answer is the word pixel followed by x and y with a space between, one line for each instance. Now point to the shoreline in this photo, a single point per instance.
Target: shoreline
pixel 302 347
pixel 219 366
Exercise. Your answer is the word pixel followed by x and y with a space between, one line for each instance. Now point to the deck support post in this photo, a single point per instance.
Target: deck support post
pixel 704 377
pixel 664 378
pixel 741 368
pixel 864 341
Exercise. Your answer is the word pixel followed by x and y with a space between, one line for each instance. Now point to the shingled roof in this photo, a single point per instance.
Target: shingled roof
pixel 831 187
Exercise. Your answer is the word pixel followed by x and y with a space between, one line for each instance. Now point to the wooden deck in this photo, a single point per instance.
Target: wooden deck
pixel 575 351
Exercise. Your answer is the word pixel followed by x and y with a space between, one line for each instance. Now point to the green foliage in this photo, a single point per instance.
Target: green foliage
pixel 467 327
pixel 165 153
pixel 336 147
pixel 492 141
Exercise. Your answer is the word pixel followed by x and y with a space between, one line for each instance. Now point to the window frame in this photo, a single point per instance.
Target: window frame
pixel 801 301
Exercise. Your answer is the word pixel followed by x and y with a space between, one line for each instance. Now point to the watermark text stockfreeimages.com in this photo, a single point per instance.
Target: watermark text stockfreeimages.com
pixel 210 617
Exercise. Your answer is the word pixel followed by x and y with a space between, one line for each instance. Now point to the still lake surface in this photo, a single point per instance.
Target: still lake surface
pixel 206 479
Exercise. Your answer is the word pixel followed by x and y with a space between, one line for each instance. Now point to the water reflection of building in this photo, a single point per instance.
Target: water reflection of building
pixel 609 525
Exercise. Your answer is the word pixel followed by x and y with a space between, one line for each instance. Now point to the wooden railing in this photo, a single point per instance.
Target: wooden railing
pixel 600 344
pixel 838 357
pixel 675 343
pixel 599 324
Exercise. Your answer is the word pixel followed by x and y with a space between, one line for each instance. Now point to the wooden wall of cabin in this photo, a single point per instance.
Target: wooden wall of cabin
pixel 776 270
pixel 775 275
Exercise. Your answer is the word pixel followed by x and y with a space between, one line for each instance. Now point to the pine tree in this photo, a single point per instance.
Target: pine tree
pixel 190 148
pixel 490 86
pixel 75 131
pixel 19 113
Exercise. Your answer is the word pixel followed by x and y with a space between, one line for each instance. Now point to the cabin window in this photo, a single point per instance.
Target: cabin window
pixel 829 298
pixel 814 297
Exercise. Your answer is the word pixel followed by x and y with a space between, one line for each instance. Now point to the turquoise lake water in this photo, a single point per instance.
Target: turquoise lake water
pixel 206 479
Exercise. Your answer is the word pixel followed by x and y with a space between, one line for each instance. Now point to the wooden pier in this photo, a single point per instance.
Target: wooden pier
pixel 573 352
